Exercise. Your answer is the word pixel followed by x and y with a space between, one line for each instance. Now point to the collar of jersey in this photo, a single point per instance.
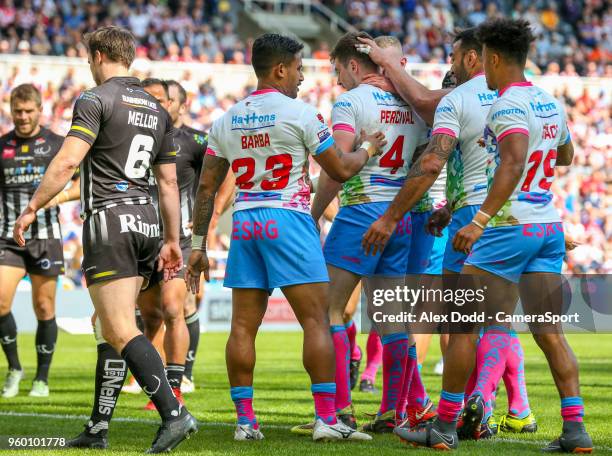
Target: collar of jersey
pixel 514 84
pixel 264 91
pixel 478 74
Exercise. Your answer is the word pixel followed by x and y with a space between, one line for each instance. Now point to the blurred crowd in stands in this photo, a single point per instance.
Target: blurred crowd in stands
pixel 584 196
pixel 574 36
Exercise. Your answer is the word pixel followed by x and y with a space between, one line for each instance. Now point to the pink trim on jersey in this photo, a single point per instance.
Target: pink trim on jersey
pixel 343 127
pixel 209 151
pixel 521 131
pixel 263 91
pixel 515 84
pixel 478 74
pixel 444 131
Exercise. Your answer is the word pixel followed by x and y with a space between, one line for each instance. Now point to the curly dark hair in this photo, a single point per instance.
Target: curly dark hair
pixel 271 49
pixel 511 38
pixel 469 40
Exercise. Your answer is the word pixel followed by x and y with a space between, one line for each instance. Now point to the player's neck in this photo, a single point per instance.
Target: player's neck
pixel 114 71
pixel 35 132
pixel 476 71
pixel 510 76
pixel 270 85
pixel 178 124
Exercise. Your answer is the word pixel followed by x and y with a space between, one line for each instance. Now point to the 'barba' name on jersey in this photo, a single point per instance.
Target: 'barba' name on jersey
pixel 141 119
pixel 253 141
pixel 396 117
pixel 134 224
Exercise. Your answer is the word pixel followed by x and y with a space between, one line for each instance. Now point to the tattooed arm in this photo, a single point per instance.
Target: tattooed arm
pixel 421 176
pixel 213 173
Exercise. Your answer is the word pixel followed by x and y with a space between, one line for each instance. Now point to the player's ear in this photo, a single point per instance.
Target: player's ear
pixel 280 71
pixel 97 57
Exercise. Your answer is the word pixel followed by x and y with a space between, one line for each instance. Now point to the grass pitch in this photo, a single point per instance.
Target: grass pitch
pixel 282 399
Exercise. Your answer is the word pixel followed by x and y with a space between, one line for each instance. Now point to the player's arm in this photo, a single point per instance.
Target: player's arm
pixel 327 188
pixel 423 100
pixel 169 200
pixel 512 153
pixel 565 154
pixel 213 173
pixel 421 176
pixel 72 193
pixel 60 171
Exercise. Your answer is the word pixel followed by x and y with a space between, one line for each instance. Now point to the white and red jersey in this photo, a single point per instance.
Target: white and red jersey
pixel 528 110
pixel 462 114
pixel 266 139
pixel 371 109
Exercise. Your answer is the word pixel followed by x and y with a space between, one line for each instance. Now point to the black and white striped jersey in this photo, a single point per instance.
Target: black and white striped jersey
pixel 190 149
pixel 129 131
pixel 23 161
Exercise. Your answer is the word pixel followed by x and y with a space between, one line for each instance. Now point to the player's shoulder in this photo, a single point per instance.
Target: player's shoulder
pixel 8 137
pixel 50 135
pixel 197 136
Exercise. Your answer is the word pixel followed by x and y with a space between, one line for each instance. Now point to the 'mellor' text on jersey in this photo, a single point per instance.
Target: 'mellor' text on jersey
pixel 140 119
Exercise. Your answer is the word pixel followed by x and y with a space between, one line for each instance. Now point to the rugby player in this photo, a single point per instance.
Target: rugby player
pixel 458 125
pixel 526 135
pixel 119 131
pixel 362 200
pixel 265 140
pixel 25 154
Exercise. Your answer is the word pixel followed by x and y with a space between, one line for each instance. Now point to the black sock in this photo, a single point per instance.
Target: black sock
pixel 139 321
pixel 110 375
pixel 193 326
pixel 148 369
pixel 46 337
pixel 8 340
pixel 174 373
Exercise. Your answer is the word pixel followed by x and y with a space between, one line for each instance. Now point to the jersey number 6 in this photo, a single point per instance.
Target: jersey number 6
pixel 139 156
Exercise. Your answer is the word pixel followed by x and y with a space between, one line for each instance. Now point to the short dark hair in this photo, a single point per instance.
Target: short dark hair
pixel 469 40
pixel 345 50
pixel 271 49
pixel 182 93
pixel 26 92
pixel 509 37
pixel 148 82
pixel 116 43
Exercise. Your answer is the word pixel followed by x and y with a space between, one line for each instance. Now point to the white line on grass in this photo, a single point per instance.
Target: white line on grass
pixel 219 424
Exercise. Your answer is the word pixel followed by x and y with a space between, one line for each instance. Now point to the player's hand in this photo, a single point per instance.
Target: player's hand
pixel 170 260
pixel 197 263
pixel 376 139
pixel 466 237
pixel 377 54
pixel 570 244
pixel 378 235
pixel 438 220
pixel 22 224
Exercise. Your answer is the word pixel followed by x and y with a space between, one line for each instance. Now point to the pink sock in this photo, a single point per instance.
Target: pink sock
pixel 417 395
pixel 411 364
pixel 343 386
pixel 243 401
pixel 514 380
pixel 395 354
pixel 450 406
pixel 491 355
pixel 351 332
pixel 572 409
pixel 324 395
pixel 374 356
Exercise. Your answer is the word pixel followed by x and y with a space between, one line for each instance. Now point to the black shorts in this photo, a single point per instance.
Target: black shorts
pixel 158 276
pixel 39 256
pixel 119 242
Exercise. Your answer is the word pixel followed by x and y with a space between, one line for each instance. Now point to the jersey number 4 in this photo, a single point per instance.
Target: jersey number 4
pixel 548 168
pixel 393 158
pixel 281 165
